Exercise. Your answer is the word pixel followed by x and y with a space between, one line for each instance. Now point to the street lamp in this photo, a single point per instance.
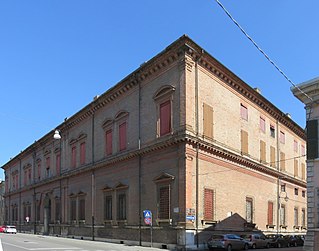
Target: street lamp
pixel 57 136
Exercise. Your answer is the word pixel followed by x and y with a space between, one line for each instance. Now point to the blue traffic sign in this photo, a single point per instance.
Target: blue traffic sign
pixel 147 214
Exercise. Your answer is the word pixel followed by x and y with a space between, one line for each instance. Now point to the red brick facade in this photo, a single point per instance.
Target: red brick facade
pixel 173 138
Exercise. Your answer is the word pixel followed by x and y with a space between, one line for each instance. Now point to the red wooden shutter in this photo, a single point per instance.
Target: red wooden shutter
pixel 108 140
pixel 209 204
pixel 270 213
pixel 122 136
pixel 58 163
pixel 82 153
pixel 165 118
pixel 73 163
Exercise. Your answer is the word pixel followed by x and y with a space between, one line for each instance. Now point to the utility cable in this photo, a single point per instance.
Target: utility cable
pixel 262 52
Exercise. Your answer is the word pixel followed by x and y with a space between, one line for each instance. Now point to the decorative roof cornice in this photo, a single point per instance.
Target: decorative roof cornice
pixel 175 53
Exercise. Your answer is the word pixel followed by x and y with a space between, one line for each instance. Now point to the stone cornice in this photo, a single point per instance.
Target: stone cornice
pixel 165 142
pixel 180 52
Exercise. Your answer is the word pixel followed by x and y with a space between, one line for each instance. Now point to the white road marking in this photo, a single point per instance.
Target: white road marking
pixel 65 248
pixel 1 249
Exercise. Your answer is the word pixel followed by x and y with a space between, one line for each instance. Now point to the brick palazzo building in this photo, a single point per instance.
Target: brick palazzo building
pixel 181 136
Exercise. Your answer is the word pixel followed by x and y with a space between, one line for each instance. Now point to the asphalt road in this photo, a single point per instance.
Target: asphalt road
pixel 23 242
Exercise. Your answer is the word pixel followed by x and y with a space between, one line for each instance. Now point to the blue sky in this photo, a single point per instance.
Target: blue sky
pixel 56 55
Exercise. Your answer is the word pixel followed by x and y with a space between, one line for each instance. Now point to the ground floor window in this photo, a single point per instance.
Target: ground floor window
pixel 121 206
pixel 108 207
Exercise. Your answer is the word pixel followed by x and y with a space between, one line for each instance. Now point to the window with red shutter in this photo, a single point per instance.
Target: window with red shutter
pixel 209 204
pixel 108 142
pixel 164 198
pixel 270 217
pixel 82 153
pixel 73 160
pixel 58 163
pixel 165 118
pixel 122 136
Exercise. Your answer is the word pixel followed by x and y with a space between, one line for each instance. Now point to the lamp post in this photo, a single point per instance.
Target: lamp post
pixel 281 195
pixel 57 136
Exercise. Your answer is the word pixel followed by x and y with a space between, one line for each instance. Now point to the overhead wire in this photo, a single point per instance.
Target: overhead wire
pixel 262 51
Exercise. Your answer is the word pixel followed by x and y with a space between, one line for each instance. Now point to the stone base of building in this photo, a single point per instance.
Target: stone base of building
pixel 312 240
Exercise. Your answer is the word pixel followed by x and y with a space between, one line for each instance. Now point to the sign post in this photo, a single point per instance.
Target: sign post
pixel 148 221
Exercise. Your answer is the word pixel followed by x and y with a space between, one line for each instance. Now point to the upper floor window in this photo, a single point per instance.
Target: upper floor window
pixel 165 118
pixel 108 142
pixel 73 157
pixel 122 136
pixel 164 101
pixel 303 150
pixel 282 137
pixel 262 124
pixel 243 112
pixel 295 146
pixel 272 131
pixel 58 163
pixel 39 164
pixel 82 153
pixel 48 165
pixel 208 121
pixel 122 129
pixel 249 210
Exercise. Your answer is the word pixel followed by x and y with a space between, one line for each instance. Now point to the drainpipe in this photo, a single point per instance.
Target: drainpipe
pixel 19 216
pixel 139 166
pixel 278 178
pixel 197 144
pixel 93 179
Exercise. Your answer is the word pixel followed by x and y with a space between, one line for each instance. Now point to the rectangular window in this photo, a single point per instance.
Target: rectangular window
pixel 108 208
pixel 48 162
pixel 296 217
pixel 303 194
pixel 295 146
pixel 122 136
pixel 38 213
pixel 164 200
pixel 25 176
pixel 270 218
pixel 73 157
pixel 272 131
pixel 296 191
pixel 244 142
pixel 282 137
pixel 249 210
pixel 39 170
pixel 262 124
pixel 262 151
pixel 303 150
pixel 303 171
pixel 29 175
pixel 272 156
pixel 82 153
pixel 73 209
pixel 165 118
pixel 283 215
pixel 208 120
pixel 283 188
pixel 296 168
pixel 82 209
pixel 122 207
pixel 243 112
pixel 108 142
pixel 303 217
pixel 208 204
pixel 58 164
pixel 282 161
pixel 57 210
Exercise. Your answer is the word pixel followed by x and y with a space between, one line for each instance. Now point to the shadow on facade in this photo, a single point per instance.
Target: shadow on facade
pixel 234 224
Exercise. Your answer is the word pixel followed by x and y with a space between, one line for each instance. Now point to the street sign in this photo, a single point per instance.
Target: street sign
pixel 147 214
pixel 148 221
